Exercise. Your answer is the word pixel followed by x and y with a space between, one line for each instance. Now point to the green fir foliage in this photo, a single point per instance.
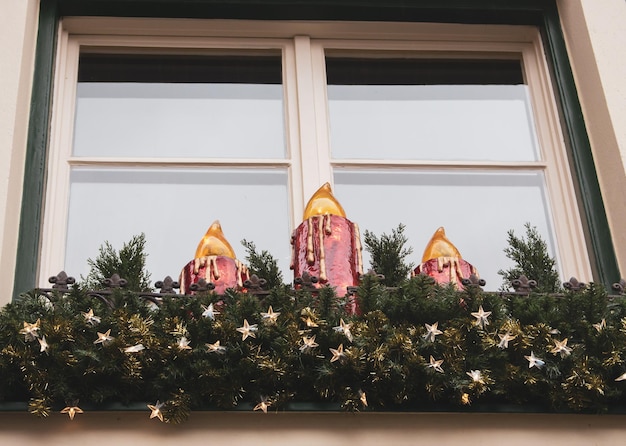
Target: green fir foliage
pixel 420 346
pixel 389 253
pixel 263 264
pixel 129 263
pixel 532 259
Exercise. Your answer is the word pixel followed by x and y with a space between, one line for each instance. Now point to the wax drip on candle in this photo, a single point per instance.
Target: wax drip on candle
pixel 310 257
pixel 359 249
pixel 320 233
pixel 241 270
pixel 292 263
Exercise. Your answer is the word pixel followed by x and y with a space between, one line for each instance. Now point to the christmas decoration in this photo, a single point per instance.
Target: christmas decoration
pixel 263 405
pixel 90 318
pixel 31 331
pixel 337 353
pixel 561 348
pixel 72 410
pixel 435 364
pixel 208 311
pixel 431 332
pixel 155 410
pixel 533 361
pixel 345 329
pixel 481 317
pixel 270 316
pixel 215 347
pixel 247 330
pixel 504 340
pixel 104 338
pixel 215 262
pixel 308 343
pixel 326 245
pixel 535 351
pixel 443 262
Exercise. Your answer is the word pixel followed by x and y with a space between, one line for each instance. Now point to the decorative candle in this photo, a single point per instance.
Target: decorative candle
pixel 214 262
pixel 326 245
pixel 443 262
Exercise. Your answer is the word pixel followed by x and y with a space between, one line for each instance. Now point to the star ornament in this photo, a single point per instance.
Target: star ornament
pixel 156 410
pixel 72 410
pixel 31 331
pixel 308 343
pixel 183 344
pixel 337 353
pixel 622 377
pixel 504 340
pixel 363 398
pixel 600 326
pixel 90 318
pixel 104 338
pixel 481 317
pixel 43 345
pixel 560 347
pixel 533 361
pixel 345 329
pixel 476 376
pixel 271 316
pixel 247 330
pixel 263 405
pixel 215 348
pixel 209 312
pixel 435 364
pixel 431 332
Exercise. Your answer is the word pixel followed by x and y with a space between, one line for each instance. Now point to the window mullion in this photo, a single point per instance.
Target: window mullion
pixel 313 142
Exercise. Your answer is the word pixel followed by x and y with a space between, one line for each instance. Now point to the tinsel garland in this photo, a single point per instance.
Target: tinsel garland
pixel 420 346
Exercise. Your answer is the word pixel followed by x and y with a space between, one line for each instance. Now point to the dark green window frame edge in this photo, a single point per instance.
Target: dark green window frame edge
pixel 541 13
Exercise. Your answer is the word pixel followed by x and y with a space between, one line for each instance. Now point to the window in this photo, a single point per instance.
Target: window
pixel 181 123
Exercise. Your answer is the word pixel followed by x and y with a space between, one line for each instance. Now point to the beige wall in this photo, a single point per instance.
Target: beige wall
pixel 595 34
pixel 328 429
pixel 18 32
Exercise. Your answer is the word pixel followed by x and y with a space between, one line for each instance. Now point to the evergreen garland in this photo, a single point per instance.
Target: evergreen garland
pixel 417 346
pixel 388 359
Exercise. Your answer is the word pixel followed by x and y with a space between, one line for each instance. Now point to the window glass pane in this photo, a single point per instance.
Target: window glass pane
pixel 476 208
pixel 174 208
pixel 219 107
pixel 429 110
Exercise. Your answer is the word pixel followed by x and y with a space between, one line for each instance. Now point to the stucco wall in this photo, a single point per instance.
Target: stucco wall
pixel 329 429
pixel 595 35
pixel 18 32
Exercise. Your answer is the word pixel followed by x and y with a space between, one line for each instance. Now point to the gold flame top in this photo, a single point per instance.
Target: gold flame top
pixel 440 246
pixel 323 203
pixel 214 243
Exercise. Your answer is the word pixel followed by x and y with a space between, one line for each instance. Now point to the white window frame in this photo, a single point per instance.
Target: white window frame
pixel 308 159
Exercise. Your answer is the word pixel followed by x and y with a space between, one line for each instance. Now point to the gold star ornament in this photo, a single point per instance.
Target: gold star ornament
pixel 104 338
pixel 31 331
pixel 215 348
pixel 247 330
pixel 271 316
pixel 156 410
pixel 72 409
pixel 337 353
pixel 435 364
pixel 308 343
pixel 345 329
pixel 431 332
